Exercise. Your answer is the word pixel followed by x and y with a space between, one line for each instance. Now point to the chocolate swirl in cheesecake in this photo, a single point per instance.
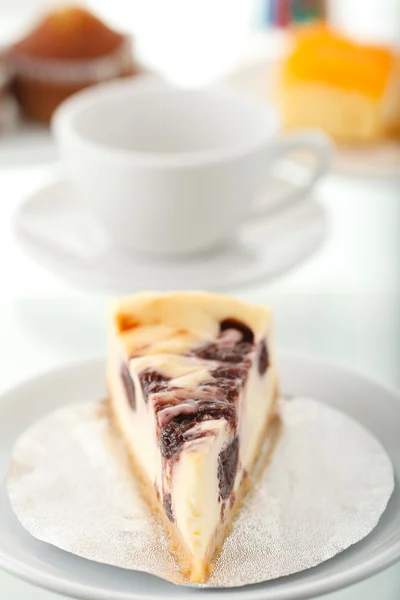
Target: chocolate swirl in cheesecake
pixel 181 428
pixel 179 410
pixel 152 382
pixel 128 386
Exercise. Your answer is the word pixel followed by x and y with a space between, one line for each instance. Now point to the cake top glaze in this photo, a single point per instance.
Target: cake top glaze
pixel 180 322
pixel 319 54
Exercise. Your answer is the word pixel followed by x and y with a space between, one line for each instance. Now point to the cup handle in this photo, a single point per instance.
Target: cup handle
pixel 313 142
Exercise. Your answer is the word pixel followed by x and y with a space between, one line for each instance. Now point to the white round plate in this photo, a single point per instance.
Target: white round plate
pixel 52 229
pixel 375 407
pixel 377 160
pixel 27 144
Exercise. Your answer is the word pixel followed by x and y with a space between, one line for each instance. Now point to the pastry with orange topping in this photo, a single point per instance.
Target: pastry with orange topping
pixel 350 90
pixel 68 50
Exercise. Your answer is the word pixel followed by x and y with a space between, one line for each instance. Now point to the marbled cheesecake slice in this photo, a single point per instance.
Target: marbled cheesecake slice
pixel 192 383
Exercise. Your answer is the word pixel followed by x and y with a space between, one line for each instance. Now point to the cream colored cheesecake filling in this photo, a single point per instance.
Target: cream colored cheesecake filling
pixel 195 486
pixel 192 383
pixel 139 425
pixel 255 407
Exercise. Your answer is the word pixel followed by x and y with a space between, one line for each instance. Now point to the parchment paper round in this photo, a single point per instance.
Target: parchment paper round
pixel 326 487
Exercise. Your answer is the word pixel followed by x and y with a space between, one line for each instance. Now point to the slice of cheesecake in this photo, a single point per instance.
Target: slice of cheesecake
pixel 192 385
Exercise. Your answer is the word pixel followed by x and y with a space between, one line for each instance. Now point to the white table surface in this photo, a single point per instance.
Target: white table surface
pixel 343 304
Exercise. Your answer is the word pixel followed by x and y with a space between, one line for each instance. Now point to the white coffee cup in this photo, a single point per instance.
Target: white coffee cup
pixel 172 171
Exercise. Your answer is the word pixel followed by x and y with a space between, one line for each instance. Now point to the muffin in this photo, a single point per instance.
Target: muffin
pixel 350 90
pixel 68 50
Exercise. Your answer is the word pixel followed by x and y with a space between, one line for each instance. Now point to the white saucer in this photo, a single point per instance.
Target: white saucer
pixel 373 406
pixel 52 229
pixel 376 160
pixel 27 144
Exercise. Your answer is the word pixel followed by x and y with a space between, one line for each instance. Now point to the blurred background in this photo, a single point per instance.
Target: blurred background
pixel 329 266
